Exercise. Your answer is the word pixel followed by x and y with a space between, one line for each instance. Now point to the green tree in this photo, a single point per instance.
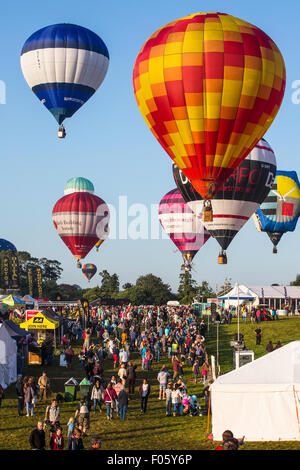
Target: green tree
pixel 110 284
pixel 127 285
pixel 204 291
pixel 296 282
pixel 187 288
pixel 92 294
pixel 148 290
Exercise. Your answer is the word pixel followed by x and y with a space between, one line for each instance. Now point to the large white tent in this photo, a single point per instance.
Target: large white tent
pixel 260 400
pixel 8 358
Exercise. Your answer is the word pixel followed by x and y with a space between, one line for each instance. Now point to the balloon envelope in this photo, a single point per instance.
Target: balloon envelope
pixel 184 228
pixel 64 64
pixel 80 219
pixel 209 86
pixel 5 245
pixel 89 270
pixel 280 210
pixel 240 195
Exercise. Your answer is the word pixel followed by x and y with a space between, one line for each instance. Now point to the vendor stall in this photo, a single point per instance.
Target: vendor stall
pixel 41 327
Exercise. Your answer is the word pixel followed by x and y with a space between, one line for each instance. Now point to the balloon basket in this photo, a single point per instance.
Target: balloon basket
pixel 207 211
pixel 79 266
pixel 61 134
pixel 222 258
pixel 274 250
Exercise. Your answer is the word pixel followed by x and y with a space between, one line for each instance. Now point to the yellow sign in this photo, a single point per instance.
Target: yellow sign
pixel 39 322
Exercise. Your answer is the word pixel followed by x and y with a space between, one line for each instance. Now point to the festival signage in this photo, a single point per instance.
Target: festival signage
pixel 38 276
pixel 5 270
pixel 30 314
pixel 30 280
pixel 14 272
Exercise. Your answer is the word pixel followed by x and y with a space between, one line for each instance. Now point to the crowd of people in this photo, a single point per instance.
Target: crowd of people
pixel 127 341
pixel 120 335
pixel 255 314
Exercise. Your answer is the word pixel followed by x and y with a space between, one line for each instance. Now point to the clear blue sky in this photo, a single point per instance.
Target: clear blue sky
pixel 109 142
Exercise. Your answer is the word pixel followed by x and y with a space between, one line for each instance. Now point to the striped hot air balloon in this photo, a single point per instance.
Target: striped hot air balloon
pixel 80 219
pixel 239 197
pixel 209 86
pixel 280 210
pixel 64 64
pixel 183 227
pixel 89 270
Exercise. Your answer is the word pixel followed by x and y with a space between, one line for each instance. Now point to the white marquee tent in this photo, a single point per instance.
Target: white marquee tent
pixel 260 400
pixel 8 358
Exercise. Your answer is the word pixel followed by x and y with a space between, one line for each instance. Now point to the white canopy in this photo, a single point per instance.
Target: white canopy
pixel 238 293
pixel 260 400
pixel 8 358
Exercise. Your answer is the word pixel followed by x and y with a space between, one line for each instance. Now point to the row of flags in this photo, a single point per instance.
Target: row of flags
pixel 10 276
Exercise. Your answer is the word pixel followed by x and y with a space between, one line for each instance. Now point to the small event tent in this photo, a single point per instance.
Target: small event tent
pixel 238 295
pixel 29 300
pixel 260 400
pixel 8 357
pixel 12 300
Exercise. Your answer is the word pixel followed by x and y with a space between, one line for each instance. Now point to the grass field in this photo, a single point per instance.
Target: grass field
pixel 152 431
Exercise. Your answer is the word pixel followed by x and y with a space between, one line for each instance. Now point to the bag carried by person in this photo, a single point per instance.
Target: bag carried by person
pixel 84 410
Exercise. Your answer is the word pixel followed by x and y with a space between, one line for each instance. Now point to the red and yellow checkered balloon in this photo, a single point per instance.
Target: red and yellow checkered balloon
pixel 209 86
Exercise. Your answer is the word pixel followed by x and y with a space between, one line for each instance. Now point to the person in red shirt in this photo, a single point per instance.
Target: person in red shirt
pixel 57 440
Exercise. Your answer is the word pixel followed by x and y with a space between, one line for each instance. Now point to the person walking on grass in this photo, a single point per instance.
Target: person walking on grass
pixel 162 378
pixel 110 398
pixel 83 414
pixel 20 395
pixel 144 392
pixel 44 384
pixel 96 395
pixel 28 399
pixel 131 376
pixel 123 399
pixel 169 399
pixel 196 370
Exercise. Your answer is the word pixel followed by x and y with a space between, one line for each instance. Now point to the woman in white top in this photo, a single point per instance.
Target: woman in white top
pixel 176 400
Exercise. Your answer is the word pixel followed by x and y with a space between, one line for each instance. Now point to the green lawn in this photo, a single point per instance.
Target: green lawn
pixel 152 431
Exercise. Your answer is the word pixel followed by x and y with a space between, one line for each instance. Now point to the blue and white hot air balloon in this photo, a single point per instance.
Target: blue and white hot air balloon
pixel 64 64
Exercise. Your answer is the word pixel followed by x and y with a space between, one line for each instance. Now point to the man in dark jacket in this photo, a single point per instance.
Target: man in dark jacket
pixel 37 438
pixel 123 399
pixel 20 395
pixel 131 375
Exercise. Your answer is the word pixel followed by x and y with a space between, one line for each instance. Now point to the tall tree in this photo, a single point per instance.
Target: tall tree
pixel 110 284
pixel 187 288
pixel 204 291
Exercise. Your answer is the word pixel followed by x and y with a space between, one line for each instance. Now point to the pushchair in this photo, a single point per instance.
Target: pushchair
pixel 194 408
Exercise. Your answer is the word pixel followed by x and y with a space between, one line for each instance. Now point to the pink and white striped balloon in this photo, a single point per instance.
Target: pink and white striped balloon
pixel 185 229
